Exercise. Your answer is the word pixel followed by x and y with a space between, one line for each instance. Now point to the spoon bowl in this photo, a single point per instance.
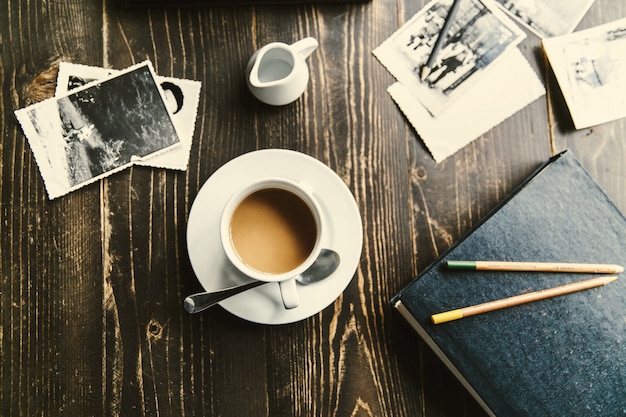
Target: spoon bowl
pixel 325 264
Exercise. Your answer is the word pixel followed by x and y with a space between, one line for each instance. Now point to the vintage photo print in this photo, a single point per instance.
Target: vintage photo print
pixel 547 18
pixel 181 98
pixel 589 66
pixel 478 36
pixel 98 129
pixel 510 86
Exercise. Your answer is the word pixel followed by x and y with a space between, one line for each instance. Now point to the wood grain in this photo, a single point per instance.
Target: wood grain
pixel 91 319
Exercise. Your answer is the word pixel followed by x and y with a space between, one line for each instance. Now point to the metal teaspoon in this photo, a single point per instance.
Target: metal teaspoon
pixel 325 264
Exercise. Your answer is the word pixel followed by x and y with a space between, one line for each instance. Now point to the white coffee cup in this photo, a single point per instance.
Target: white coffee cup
pixel 271 230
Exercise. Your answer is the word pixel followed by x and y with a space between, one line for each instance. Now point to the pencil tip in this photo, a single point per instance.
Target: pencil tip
pixel 425 73
pixel 619 269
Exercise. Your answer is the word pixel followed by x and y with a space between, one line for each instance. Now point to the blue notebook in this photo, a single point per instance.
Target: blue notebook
pixel 563 356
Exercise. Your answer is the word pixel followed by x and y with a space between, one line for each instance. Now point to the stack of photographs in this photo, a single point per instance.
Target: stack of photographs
pixel 478 37
pixel 589 65
pixel 102 121
pixel 479 78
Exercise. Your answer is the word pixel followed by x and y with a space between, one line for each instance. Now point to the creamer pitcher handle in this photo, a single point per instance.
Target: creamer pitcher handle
pixel 305 47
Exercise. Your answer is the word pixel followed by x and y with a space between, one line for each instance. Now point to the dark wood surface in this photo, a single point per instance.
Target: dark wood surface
pixel 91 284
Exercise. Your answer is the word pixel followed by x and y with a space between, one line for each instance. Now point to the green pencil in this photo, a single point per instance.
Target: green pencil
pixel 536 267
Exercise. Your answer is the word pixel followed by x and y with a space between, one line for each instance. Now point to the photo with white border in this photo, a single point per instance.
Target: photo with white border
pixel 589 66
pixel 181 97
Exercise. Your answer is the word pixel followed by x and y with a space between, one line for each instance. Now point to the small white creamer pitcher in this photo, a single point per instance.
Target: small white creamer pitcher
pixel 277 74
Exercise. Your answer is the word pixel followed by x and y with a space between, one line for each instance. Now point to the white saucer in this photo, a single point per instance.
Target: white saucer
pixel 264 304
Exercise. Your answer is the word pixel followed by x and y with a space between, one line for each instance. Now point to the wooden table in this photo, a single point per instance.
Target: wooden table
pixel 92 322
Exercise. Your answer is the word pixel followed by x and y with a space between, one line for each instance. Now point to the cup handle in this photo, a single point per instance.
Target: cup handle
pixel 289 294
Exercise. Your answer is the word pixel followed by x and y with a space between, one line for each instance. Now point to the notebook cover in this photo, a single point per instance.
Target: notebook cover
pixel 564 356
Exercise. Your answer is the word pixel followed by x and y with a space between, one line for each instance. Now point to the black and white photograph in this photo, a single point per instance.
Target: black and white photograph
pixel 547 18
pixel 510 86
pixel 589 66
pixel 99 129
pixel 479 34
pixel 181 99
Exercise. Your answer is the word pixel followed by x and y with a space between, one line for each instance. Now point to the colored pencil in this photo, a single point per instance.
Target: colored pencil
pixel 536 267
pixel 520 299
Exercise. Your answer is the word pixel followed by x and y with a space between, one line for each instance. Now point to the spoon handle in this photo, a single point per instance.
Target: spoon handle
pixel 201 301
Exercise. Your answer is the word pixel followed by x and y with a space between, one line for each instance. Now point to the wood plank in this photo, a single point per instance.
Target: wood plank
pixel 51 260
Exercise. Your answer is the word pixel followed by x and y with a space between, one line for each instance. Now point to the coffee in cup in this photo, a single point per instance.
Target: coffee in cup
pixel 271 232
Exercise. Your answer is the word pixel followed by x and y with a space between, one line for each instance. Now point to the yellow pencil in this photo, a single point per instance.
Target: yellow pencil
pixel 520 299
pixel 536 267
